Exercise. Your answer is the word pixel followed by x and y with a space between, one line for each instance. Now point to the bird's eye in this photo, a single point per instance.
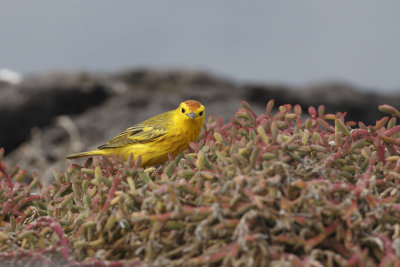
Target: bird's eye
pixel 201 113
pixel 183 110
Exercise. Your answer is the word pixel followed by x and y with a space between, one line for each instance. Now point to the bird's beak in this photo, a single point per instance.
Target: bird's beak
pixel 192 115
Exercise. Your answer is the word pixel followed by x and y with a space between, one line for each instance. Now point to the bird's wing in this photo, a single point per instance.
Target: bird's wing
pixel 143 132
pixel 135 134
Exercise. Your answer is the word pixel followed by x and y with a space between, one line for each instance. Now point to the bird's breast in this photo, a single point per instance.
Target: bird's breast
pixel 179 138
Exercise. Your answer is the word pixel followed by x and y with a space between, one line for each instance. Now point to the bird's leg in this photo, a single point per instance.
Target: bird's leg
pixel 158 170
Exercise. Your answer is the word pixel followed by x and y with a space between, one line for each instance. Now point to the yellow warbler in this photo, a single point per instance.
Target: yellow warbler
pixel 155 138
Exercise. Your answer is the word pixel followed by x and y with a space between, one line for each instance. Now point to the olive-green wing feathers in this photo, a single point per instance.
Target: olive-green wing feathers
pixel 144 132
pixel 134 135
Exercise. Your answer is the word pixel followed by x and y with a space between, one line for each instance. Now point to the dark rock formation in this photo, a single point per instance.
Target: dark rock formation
pixel 359 105
pixel 38 100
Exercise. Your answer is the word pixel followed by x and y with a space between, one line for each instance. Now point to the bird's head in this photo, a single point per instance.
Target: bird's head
pixel 191 110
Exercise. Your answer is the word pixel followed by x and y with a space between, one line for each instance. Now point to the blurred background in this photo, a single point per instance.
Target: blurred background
pixel 293 42
pixel 75 73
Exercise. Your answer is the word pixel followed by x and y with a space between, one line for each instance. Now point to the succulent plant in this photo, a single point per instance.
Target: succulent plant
pixel 302 189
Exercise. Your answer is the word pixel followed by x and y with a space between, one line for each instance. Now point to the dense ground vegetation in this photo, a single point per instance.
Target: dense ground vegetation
pixel 307 189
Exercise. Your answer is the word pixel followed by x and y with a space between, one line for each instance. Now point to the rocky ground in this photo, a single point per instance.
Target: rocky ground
pixel 48 116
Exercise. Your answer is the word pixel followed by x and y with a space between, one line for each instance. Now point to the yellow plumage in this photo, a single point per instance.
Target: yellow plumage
pixel 155 138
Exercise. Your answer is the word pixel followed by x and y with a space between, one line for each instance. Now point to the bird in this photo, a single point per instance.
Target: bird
pixel 155 138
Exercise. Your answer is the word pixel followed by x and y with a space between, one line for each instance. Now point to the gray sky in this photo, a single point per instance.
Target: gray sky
pixel 290 41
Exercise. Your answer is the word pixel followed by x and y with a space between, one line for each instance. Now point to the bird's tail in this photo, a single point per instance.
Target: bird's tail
pixel 85 154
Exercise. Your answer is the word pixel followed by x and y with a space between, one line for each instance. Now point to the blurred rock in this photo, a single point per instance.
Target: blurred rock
pixel 37 100
pixel 51 115
pixel 10 77
pixel 359 105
